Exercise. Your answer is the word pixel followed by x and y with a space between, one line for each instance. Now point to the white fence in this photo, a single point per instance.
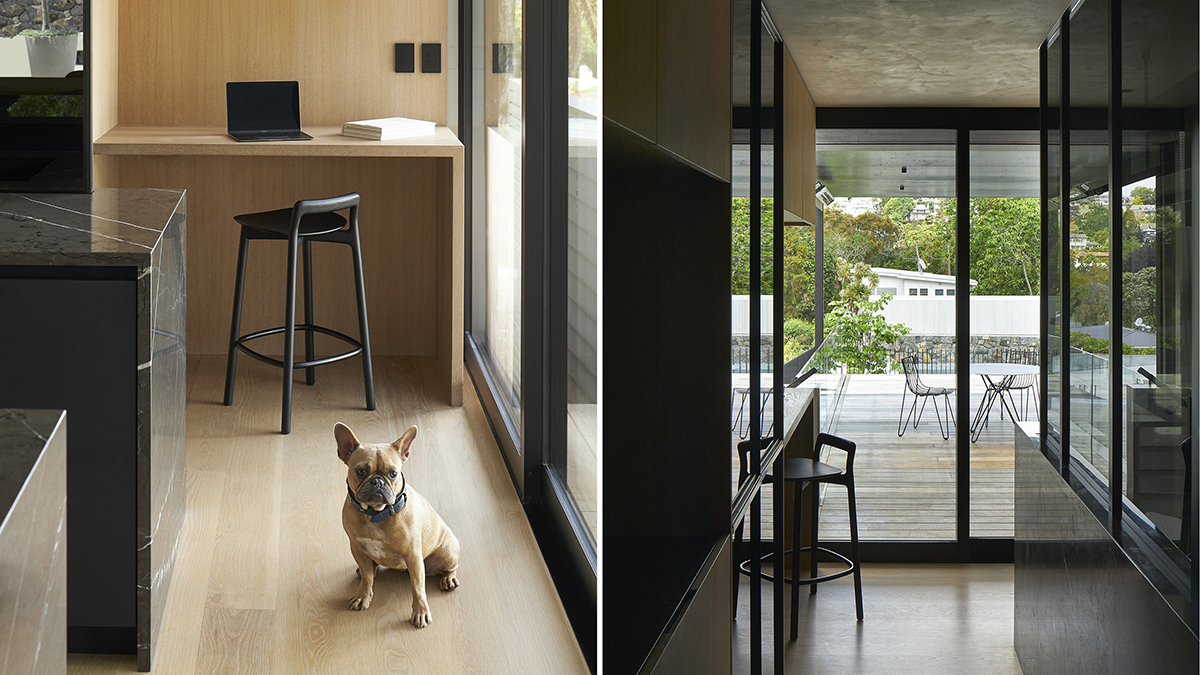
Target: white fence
pixel 990 314
pixel 741 315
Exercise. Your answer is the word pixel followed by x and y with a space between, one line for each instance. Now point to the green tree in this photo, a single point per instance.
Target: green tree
pixel 1142 195
pixel 855 281
pixel 1093 222
pixel 868 237
pixel 1006 246
pixel 1139 301
pixel 862 335
pixel 799 273
pixel 895 209
pixel 740 220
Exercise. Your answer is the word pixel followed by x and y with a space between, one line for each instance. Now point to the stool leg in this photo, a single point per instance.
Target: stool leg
pixel 310 373
pixel 812 554
pixel 854 550
pixel 737 570
pixel 235 324
pixel 797 511
pixel 289 336
pixel 364 335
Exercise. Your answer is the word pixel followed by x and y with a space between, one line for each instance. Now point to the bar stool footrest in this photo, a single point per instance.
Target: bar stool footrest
pixel 744 567
pixel 278 363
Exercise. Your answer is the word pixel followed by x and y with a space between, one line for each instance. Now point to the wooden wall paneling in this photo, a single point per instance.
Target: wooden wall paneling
pixel 399 249
pixel 176 55
pixel 631 71
pixel 694 81
pixel 800 134
pixel 102 45
pixel 450 256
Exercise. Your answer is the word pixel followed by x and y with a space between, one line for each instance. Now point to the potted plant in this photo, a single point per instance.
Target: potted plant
pixel 52 51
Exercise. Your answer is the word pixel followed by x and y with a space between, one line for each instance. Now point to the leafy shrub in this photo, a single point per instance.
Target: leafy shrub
pixel 797 336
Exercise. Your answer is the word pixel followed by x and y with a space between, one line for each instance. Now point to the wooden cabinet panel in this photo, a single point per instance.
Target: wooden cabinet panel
pixel 631 67
pixel 800 136
pixel 694 77
pixel 176 55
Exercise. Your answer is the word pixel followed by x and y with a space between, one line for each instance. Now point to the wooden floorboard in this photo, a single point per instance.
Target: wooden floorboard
pixel 905 486
pixel 264 570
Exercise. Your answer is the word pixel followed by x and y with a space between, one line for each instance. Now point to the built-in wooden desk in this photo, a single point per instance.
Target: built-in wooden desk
pixel 411 217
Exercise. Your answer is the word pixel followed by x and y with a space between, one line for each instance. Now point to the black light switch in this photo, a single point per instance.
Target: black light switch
pixel 431 57
pixel 405 58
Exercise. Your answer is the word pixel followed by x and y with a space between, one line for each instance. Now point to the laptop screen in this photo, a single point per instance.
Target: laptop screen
pixel 263 106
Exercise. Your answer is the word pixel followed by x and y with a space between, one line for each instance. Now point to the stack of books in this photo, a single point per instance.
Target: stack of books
pixel 387 128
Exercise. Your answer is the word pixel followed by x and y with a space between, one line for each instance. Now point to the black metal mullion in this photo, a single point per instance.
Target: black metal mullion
pixel 1115 248
pixel 1064 228
pixel 778 149
pixel 755 384
pixel 466 127
pixel 1047 248
pixel 535 252
pixel 962 328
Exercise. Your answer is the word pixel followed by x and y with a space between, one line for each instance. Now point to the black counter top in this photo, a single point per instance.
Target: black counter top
pixel 107 227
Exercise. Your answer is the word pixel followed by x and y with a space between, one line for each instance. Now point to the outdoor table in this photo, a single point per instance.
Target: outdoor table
pixel 997 378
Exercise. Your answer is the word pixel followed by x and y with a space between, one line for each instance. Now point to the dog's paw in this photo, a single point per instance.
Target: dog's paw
pixel 421 617
pixel 360 603
pixel 449 581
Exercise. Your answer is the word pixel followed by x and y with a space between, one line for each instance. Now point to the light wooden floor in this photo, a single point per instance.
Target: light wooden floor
pixel 918 620
pixel 264 569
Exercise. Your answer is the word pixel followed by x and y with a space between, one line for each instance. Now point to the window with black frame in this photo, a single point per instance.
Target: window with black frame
pixel 1122 280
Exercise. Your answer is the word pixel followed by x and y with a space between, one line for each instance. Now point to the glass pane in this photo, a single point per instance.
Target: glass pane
pixel 583 242
pixel 1054 231
pixel 496 218
pixel 891 231
pixel 1159 76
pixel 747 408
pixel 1088 359
pixel 1005 310
pixel 42 144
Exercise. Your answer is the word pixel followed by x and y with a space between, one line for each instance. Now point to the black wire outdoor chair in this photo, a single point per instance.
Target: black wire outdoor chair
pixel 912 383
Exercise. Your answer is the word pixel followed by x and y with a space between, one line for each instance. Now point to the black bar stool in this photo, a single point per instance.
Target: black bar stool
pixel 802 471
pixel 308 221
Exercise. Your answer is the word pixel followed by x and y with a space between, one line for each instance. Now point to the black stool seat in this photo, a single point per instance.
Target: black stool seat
pixel 307 221
pixel 279 222
pixel 806 469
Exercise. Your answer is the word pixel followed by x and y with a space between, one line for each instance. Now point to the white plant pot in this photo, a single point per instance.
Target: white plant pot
pixel 53 55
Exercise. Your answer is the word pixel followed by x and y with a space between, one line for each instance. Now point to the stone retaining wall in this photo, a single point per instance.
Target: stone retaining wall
pixel 18 15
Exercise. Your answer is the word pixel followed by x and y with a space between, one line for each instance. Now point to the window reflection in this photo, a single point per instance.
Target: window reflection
pixel 583 184
pixel 42 142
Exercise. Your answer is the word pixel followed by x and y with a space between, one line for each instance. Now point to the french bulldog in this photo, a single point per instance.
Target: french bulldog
pixel 389 523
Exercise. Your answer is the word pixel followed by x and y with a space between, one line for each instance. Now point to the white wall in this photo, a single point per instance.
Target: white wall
pixel 741 315
pixel 990 314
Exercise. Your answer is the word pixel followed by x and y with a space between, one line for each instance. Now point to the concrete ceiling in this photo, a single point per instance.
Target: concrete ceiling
pixel 916 52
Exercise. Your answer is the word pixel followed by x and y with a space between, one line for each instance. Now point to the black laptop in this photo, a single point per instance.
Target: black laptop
pixel 264 111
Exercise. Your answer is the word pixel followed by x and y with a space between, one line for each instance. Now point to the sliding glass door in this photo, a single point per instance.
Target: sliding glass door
pixel 533 251
pixel 891 343
pixel 497 229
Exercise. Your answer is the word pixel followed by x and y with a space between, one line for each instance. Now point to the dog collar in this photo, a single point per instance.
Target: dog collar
pixel 392 509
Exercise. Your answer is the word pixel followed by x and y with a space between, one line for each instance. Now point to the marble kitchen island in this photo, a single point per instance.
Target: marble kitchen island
pixel 92 321
pixel 33 542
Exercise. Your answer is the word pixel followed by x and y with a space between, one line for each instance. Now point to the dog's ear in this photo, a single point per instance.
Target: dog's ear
pixel 346 442
pixel 403 444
